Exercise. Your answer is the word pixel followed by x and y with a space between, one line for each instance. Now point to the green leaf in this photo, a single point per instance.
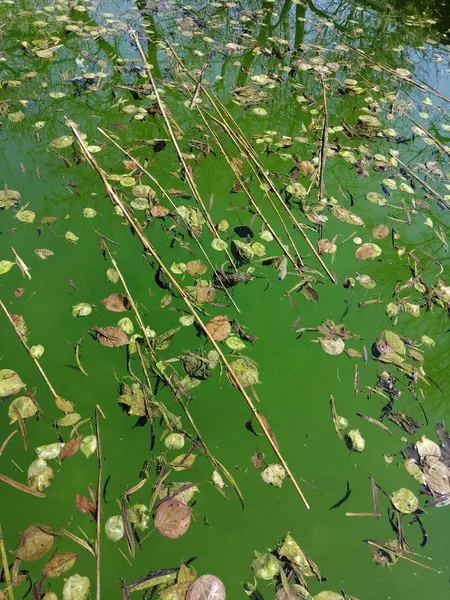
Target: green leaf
pixel 5 266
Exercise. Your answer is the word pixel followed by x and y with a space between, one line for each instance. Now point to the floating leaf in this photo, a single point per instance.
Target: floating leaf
pixel 196 267
pixel 10 383
pixel 126 325
pixel 62 142
pixel 5 266
pixel 368 251
pixel 291 550
pixel 380 232
pixel 76 588
pixel 355 440
pixel 116 303
pixel 37 351
pixel 296 189
pixel 404 501
pixel 112 275
pixel 40 475
pixel 83 309
pixel 59 564
pixel 246 371
pixel 112 337
pixel 174 441
pixel 345 215
pixel 84 505
pixel 88 445
pixel 183 462
pixel 332 344
pixel 206 587
pixel 235 343
pixel 218 244
pixel 49 451
pixel 34 543
pixel 25 216
pixel 89 213
pixel 71 237
pixel 219 328
pixel 43 253
pixel 266 566
pixel 172 518
pixel 70 448
pixel 274 474
pixel 139 516
pixel 24 405
pixel 9 198
pixel 114 528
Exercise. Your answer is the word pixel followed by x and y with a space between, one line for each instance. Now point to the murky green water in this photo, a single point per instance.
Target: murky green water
pixel 297 46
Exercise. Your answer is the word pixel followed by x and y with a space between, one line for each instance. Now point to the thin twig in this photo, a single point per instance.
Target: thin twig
pixel 441 147
pixel 22 266
pixel 149 247
pixel 99 505
pixel 21 487
pixel 5 565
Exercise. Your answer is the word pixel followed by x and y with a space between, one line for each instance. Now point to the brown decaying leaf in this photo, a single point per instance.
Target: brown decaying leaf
pixel 84 505
pixel 196 267
pixel 172 518
pixel 59 563
pixel 219 328
pixel 257 460
pixel 18 292
pixel 380 231
pixel 159 211
pixel 70 448
pixel 35 542
pixel 116 303
pixel 112 337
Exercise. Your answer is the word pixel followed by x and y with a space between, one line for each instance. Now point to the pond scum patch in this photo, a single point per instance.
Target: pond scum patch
pixel 176 93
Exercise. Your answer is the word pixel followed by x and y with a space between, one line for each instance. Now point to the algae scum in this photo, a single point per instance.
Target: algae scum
pixel 224 300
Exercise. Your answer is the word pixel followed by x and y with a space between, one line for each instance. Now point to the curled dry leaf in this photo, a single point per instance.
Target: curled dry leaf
pixel 116 303
pixel 172 518
pixel 59 563
pixel 206 587
pixel 112 337
pixel 35 542
pixel 219 328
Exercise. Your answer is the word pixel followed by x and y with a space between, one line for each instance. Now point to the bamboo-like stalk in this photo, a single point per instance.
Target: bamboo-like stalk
pixel 324 141
pixel 422 86
pixel 187 172
pixel 242 141
pixel 174 206
pixel 5 565
pixel 248 194
pixel 98 512
pixel 61 403
pixel 149 247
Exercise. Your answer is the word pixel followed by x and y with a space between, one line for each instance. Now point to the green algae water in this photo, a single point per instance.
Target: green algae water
pixel 268 228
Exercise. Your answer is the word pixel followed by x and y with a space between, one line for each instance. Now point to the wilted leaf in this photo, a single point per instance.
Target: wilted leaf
pixel 206 587
pixel 59 563
pixel 266 566
pixel 172 518
pixel 83 309
pixel 196 267
pixel 380 232
pixel 116 303
pixel 10 383
pixel 43 253
pixel 183 462
pixel 34 543
pixel 40 475
pixel 112 337
pixel 355 440
pixel 69 419
pixel 9 198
